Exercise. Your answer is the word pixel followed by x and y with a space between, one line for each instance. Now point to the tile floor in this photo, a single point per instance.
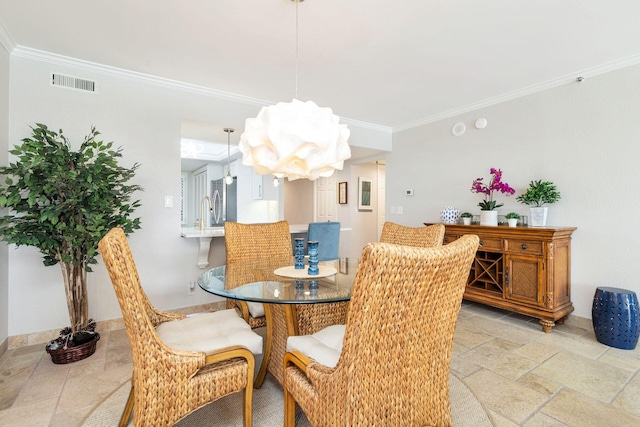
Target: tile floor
pixel 523 376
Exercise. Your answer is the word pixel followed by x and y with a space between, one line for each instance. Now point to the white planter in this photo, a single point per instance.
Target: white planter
pixel 466 221
pixel 538 217
pixel 513 222
pixel 489 218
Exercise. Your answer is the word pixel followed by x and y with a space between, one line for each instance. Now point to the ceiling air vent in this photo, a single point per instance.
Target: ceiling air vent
pixel 70 82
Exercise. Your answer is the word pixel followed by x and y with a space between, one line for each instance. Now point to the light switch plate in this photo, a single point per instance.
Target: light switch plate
pixel 168 201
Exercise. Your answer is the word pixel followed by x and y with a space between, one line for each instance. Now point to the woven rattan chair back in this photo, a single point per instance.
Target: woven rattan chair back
pixel 253 249
pixel 167 384
pixel 423 237
pixel 395 360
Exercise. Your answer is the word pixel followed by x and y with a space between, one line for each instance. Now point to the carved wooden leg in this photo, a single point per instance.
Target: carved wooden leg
pixel 547 325
pixel 561 320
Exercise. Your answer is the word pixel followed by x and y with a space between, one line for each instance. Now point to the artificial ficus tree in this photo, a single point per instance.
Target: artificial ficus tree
pixel 63 202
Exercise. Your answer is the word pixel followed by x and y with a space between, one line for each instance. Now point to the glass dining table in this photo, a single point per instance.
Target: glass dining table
pixel 294 302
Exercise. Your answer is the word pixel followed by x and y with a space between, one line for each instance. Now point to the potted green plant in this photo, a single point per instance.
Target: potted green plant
pixel 63 202
pixel 512 219
pixel 466 218
pixel 536 196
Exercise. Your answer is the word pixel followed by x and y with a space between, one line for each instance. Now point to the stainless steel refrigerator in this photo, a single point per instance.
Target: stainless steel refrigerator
pixel 224 200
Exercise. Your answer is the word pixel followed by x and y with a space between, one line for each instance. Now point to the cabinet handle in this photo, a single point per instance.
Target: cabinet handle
pixel 446 240
pixel 506 276
pixel 523 246
pixel 481 242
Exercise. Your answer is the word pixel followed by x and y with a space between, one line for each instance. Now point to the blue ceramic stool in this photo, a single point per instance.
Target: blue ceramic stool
pixel 615 317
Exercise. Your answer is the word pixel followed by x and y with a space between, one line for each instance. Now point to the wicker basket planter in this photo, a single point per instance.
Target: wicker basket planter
pixel 73 354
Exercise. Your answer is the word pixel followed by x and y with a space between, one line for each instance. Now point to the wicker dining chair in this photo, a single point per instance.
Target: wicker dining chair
pixel 424 237
pixel 254 244
pixel 180 363
pixel 389 366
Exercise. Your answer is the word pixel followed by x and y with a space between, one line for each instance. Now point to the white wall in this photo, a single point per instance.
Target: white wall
pixel 4 133
pixel 582 136
pixel 145 119
pixel 363 223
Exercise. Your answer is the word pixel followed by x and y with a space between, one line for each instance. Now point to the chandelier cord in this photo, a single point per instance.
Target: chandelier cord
pixel 297 2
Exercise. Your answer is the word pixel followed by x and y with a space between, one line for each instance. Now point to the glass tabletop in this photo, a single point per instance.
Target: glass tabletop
pixel 261 284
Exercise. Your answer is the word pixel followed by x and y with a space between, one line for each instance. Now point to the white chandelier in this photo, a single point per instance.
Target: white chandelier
pixel 295 139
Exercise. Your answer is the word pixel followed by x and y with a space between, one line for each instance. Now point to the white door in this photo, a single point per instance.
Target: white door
pixel 326 199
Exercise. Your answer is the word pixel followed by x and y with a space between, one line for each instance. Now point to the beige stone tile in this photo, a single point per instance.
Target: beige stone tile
pixel 41 387
pixel 462 367
pixel 470 338
pixel 507 398
pixel 576 409
pixel 118 355
pixel 91 365
pixel 485 311
pixel 36 348
pixel 572 329
pixel 499 421
pixel 41 338
pixel 537 351
pixel 579 345
pixel 27 359
pixel 85 391
pixel 457 348
pixel 593 378
pixel 500 329
pixel 629 399
pixel 580 322
pixel 497 356
pixel 47 365
pixel 70 418
pixel 4 356
pixel 37 414
pixel 624 359
pixel 540 384
pixel 8 394
pixel 118 337
pixel 12 380
pixel 17 341
pixel 541 420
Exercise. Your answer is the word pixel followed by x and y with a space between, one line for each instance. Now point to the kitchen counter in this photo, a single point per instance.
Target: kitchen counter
pixel 209 232
pixel 204 238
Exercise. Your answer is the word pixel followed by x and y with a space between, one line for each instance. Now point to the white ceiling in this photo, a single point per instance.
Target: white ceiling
pixel 390 63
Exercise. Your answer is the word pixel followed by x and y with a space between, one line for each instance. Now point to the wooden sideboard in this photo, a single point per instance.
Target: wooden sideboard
pixel 522 269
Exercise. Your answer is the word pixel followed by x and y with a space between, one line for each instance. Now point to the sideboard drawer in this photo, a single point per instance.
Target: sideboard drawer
pixel 488 243
pixel 448 238
pixel 523 246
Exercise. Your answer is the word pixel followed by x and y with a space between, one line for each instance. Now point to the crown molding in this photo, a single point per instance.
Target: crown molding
pixel 549 84
pixel 55 59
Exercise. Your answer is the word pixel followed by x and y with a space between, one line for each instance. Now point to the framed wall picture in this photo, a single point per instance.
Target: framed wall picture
pixel 364 194
pixel 342 193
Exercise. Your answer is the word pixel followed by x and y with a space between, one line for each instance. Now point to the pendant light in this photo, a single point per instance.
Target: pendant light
pixel 295 139
pixel 228 179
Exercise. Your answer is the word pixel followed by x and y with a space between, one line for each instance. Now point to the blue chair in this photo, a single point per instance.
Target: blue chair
pixel 328 236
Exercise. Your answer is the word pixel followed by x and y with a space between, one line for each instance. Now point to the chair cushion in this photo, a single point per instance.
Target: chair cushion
pixel 208 332
pixel 323 347
pixel 256 309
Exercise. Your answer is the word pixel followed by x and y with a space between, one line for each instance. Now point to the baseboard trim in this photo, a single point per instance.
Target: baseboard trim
pixel 4 346
pixel 43 337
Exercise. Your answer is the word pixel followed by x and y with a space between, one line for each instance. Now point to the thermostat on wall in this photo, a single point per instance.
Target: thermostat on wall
pixel 408 192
